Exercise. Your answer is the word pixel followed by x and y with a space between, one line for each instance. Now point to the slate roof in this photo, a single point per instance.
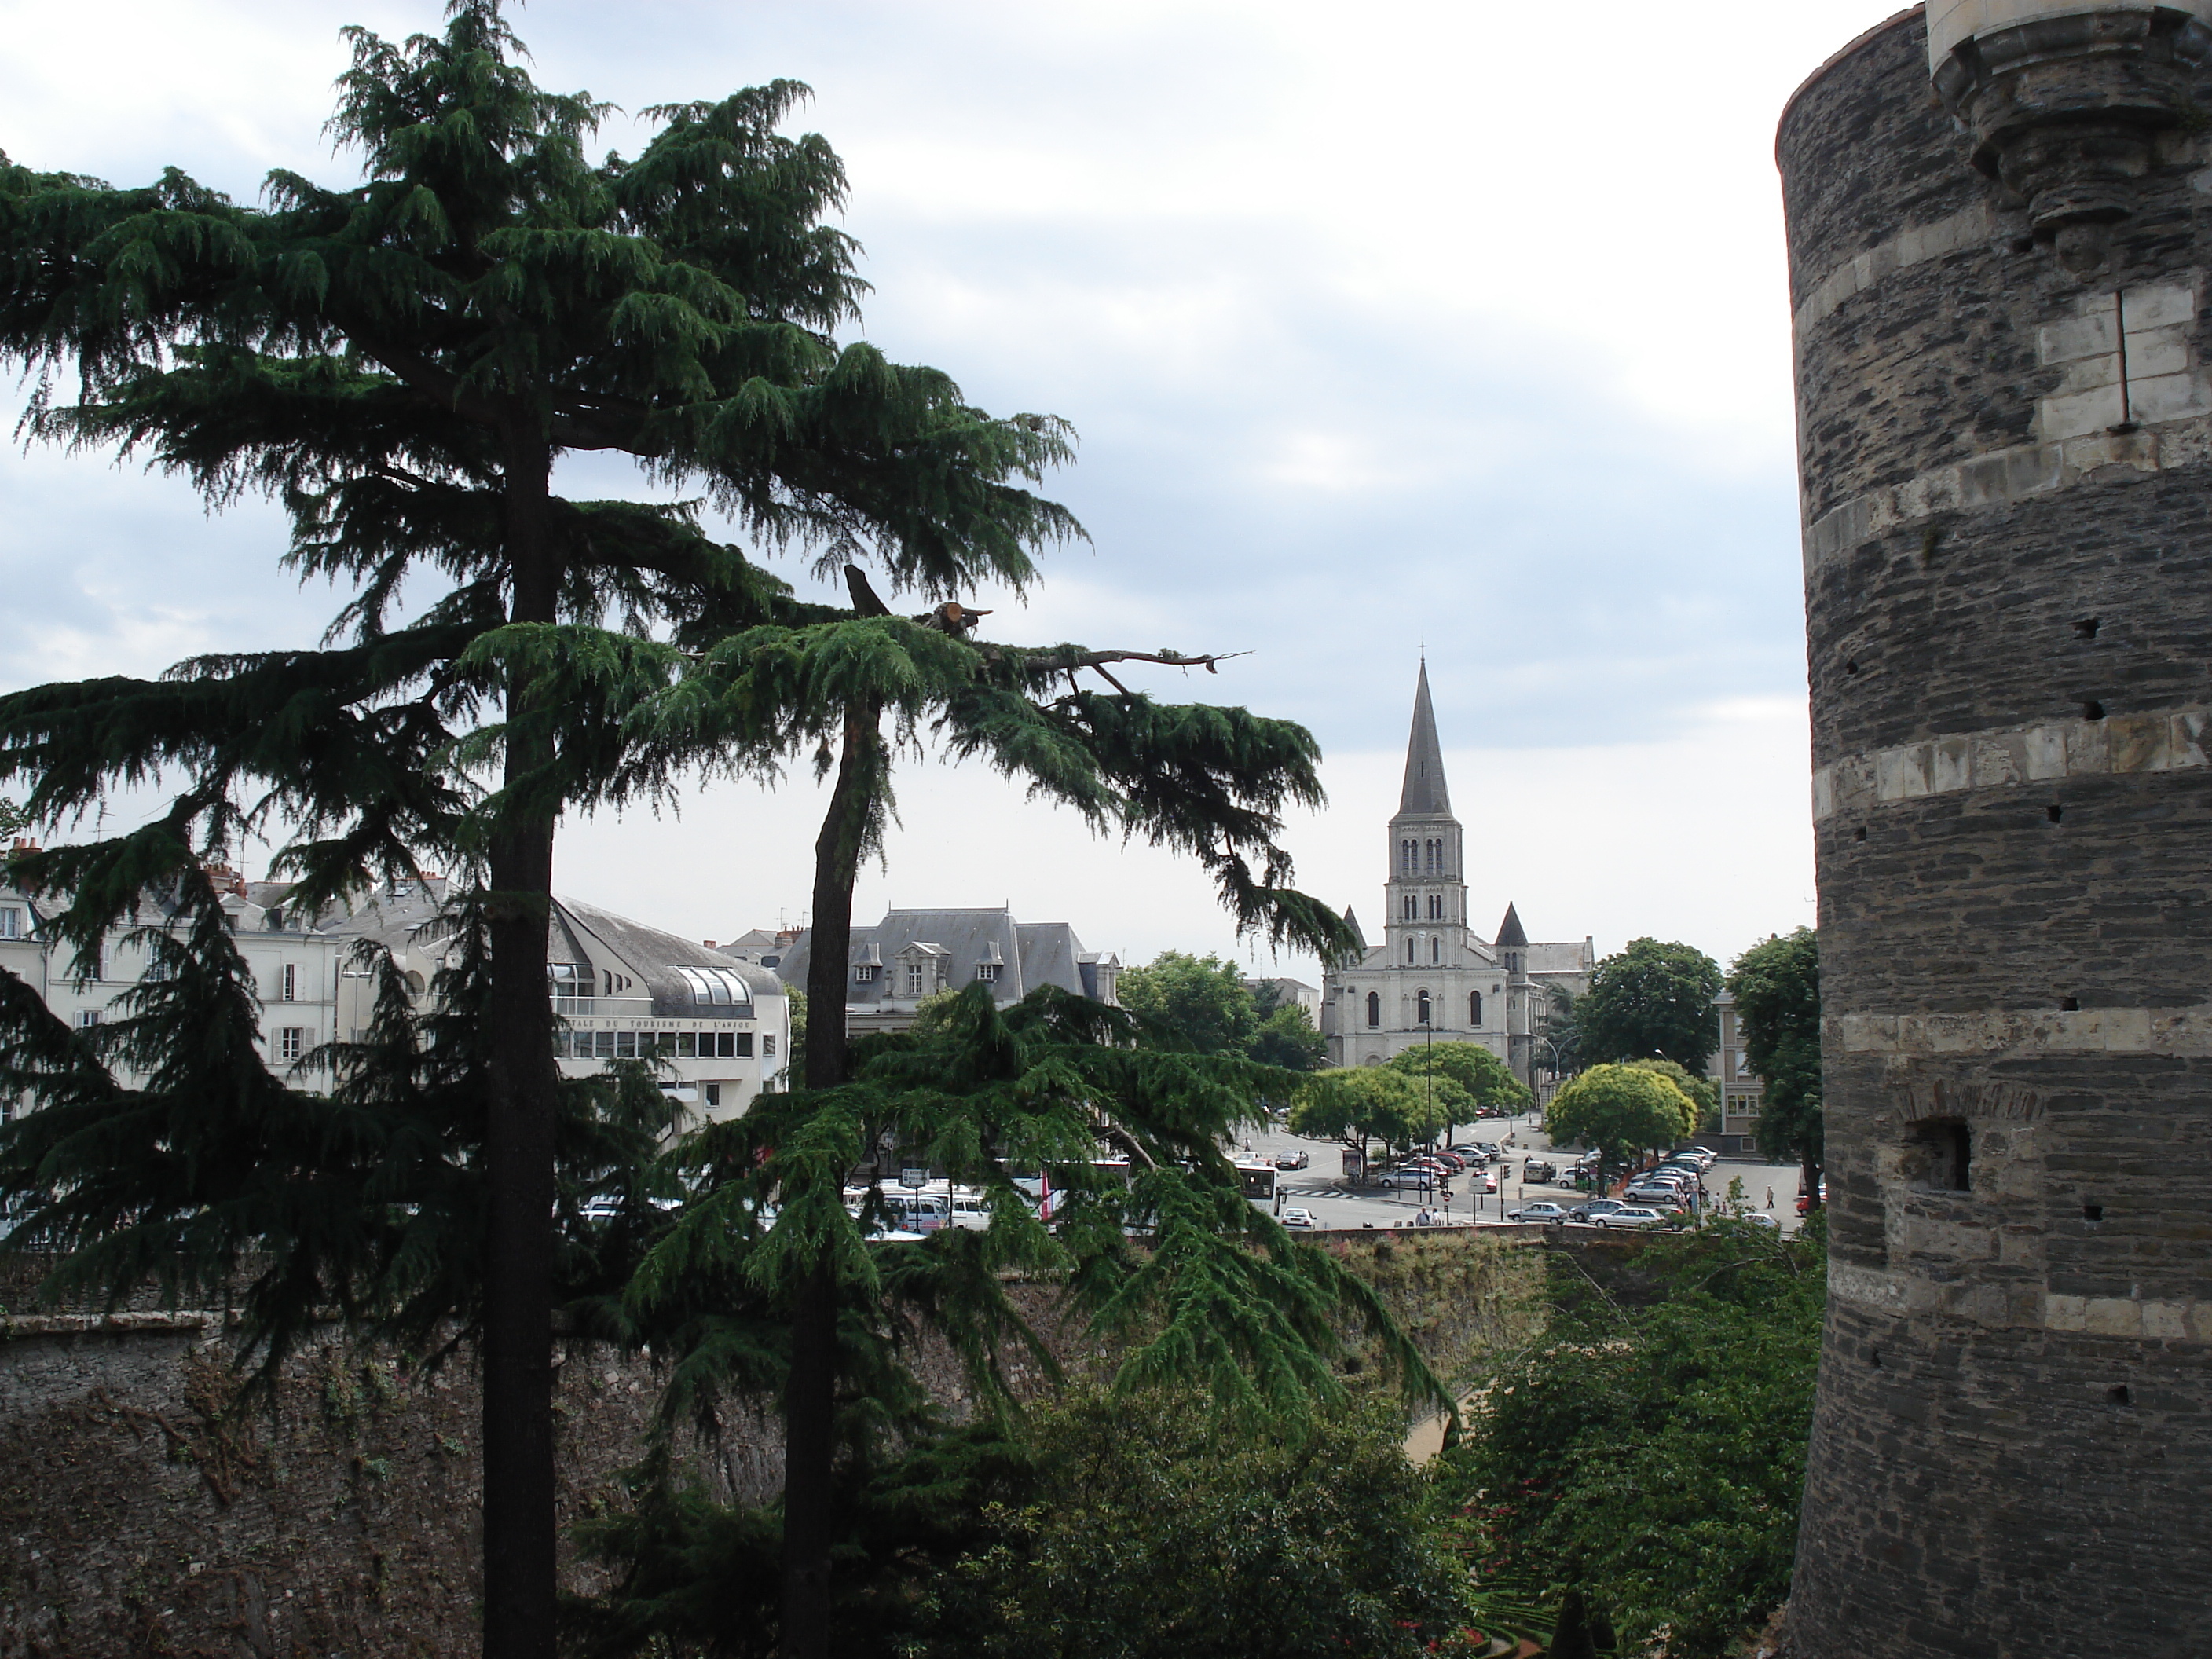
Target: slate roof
pixel 593 937
pixel 1425 794
pixel 1028 954
pixel 1509 931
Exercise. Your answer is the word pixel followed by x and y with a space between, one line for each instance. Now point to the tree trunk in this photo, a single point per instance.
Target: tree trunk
pixel 810 1391
pixel 519 1559
pixel 1809 1176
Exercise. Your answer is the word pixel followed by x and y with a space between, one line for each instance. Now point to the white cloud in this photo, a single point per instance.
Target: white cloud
pixel 1427 321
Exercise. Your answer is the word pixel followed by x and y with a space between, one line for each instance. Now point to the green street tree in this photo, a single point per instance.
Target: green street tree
pixel 1651 1000
pixel 12 821
pixel 1201 1001
pixel 402 364
pixel 1487 1088
pixel 1620 1110
pixel 1705 1094
pixel 1286 1036
pixel 1777 987
pixel 1361 1104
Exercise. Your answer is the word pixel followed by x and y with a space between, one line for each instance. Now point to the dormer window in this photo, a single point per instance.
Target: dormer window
pixel 715 986
pixel 987 972
pixel 11 921
pixel 865 973
pixel 914 979
pixel 275 920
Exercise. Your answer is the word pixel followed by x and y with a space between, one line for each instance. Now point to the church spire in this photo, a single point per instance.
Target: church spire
pixel 1425 791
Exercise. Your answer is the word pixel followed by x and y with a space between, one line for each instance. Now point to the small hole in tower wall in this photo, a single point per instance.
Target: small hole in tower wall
pixel 2070 1004
pixel 2092 710
pixel 2117 1393
pixel 1874 1358
pixel 1859 833
pixel 1852 666
pixel 2093 1212
pixel 2054 813
pixel 2087 628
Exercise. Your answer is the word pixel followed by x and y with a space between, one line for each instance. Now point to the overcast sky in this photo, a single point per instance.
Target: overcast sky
pixel 1458 324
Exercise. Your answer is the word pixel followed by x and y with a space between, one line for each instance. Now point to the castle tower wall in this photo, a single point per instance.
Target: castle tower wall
pixel 2005 435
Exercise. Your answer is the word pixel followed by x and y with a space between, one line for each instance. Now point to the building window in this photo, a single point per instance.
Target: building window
pixel 11 921
pixel 1409 953
pixel 275 920
pixel 866 973
pixel 1436 907
pixel 741 1045
pixel 1436 949
pixel 722 987
pixel 87 1019
pixel 768 1045
pixel 291 1040
pixel 1374 1008
pixel 714 1094
pixel 1406 907
pixel 625 1045
pixel 1421 1009
pixel 291 990
pixel 914 979
pixel 1405 856
pixel 686 1045
pixel 987 972
pixel 1474 1007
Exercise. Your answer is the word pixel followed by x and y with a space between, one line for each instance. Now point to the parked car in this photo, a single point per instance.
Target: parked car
pixel 1295 1217
pixel 1805 1204
pixel 1591 1210
pixel 1634 1215
pixel 1537 1169
pixel 1538 1211
pixel 1760 1219
pixel 1482 1180
pixel 1407 1179
pixel 1297 1159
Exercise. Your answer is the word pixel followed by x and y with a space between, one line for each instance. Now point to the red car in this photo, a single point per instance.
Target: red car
pixel 1805 1203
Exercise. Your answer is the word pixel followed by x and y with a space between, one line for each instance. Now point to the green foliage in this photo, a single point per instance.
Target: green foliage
pixel 1193 1541
pixel 12 821
pixel 1221 1297
pixel 1777 987
pixel 1489 1088
pixel 1651 1000
pixel 1360 1103
pixel 1287 1037
pixel 1620 1109
pixel 1705 1094
pixel 1200 1001
pixel 1650 1458
pixel 1063 1532
pixel 164 1149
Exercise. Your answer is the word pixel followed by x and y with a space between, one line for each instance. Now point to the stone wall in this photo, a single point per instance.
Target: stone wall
pixel 145 1509
pixel 2009 598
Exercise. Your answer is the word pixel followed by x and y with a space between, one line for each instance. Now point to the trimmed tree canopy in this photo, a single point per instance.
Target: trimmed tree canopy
pixel 1620 1109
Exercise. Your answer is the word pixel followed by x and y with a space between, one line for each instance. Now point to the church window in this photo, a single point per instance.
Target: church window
pixel 1436 907
pixel 1405 856
pixel 1474 1007
pixel 1374 1008
pixel 1409 953
pixel 1421 1008
pixel 1436 950
pixel 1408 906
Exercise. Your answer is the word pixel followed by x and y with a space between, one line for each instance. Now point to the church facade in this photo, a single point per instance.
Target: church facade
pixel 1433 977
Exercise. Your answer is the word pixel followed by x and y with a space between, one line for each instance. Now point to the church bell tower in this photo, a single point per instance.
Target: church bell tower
pixel 1427 889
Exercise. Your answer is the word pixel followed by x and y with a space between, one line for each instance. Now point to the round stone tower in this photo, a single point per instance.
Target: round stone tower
pixel 2000 222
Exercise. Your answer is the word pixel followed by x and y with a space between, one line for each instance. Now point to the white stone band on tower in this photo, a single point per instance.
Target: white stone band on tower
pixel 1950 21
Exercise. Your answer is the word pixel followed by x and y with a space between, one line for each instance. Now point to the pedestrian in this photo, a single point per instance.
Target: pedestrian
pixel 1770 1198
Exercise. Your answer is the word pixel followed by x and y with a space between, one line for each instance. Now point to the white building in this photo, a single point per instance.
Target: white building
pixel 719 1030
pixel 1434 978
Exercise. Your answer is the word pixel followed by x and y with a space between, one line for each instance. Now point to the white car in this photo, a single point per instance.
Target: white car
pixel 1634 1215
pixel 1538 1212
pixel 1296 1216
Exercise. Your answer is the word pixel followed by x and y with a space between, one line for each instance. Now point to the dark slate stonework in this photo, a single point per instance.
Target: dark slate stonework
pixel 2013 1446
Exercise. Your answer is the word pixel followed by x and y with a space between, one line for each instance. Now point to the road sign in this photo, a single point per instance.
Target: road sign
pixel 914 1178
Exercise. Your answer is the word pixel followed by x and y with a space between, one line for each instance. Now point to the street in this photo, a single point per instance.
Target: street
pixel 1320 1186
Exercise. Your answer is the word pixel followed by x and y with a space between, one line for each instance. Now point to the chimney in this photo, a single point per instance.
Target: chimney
pixel 708 942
